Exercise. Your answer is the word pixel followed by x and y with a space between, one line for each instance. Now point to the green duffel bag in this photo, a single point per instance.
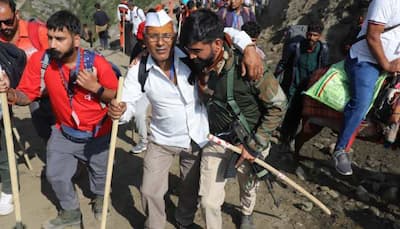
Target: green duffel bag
pixel 332 89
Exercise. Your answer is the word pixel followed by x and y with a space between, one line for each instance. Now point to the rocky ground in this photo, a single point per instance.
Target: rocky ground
pixel 368 199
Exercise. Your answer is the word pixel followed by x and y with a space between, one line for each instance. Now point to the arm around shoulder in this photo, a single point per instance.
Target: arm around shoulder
pixel 274 104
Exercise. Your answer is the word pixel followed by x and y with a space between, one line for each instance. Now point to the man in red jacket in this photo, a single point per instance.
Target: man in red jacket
pixel 82 130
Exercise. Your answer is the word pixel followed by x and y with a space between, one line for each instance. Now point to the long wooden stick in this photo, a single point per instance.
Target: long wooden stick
pixel 274 171
pixel 11 158
pixel 180 25
pixel 110 163
pixel 123 33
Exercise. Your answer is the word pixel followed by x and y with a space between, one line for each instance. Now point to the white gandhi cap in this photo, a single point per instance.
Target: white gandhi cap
pixel 157 19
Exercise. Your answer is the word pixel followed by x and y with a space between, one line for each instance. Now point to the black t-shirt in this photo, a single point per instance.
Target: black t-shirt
pixel 100 18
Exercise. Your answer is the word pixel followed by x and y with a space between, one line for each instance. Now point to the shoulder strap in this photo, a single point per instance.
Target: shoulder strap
pixel 224 14
pixel 88 62
pixel 297 53
pixel 88 59
pixel 45 61
pixel 143 73
pixel 362 37
pixel 231 99
pixel 246 12
pixel 33 33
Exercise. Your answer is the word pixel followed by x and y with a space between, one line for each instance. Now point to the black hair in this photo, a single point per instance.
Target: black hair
pixel 203 25
pixel 97 5
pixel 64 18
pixel 190 4
pixel 151 10
pixel 11 3
pixel 199 4
pixel 317 27
pixel 252 29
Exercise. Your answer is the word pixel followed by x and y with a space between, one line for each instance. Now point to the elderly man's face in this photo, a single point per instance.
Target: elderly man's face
pixel 160 41
pixel 8 22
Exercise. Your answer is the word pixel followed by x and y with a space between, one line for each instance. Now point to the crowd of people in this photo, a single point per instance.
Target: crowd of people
pixel 199 73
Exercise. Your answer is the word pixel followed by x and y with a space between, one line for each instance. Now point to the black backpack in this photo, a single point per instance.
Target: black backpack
pixel 143 72
pixel 12 61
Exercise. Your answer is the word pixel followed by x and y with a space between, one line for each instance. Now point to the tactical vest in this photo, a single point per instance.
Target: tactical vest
pixel 220 110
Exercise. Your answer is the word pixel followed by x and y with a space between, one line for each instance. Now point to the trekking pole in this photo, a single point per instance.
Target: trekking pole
pixel 11 157
pixel 123 33
pixel 180 25
pixel 274 171
pixel 110 163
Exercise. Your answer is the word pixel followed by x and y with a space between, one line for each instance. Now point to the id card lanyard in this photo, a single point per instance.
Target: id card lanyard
pixel 172 71
pixel 69 85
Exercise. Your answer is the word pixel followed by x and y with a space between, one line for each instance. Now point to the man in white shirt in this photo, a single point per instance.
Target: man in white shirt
pixel 377 50
pixel 133 17
pixel 179 124
pixel 137 16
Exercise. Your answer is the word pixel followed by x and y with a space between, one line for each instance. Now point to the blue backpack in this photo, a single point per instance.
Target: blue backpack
pixel 88 61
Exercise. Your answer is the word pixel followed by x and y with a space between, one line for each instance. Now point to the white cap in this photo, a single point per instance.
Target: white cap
pixel 157 19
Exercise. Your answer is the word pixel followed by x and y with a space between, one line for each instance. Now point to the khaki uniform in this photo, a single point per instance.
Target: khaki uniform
pixel 263 104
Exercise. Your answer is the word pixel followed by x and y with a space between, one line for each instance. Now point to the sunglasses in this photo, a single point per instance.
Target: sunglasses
pixel 8 22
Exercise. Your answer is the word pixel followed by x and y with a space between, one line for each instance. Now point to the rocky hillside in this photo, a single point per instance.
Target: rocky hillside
pixel 84 8
pixel 337 17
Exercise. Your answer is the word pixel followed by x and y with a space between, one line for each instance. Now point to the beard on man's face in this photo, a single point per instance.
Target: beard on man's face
pixel 8 33
pixel 311 43
pixel 199 65
pixel 59 56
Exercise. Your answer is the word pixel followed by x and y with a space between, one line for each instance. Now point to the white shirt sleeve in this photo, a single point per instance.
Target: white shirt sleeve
pixel 380 11
pixel 239 38
pixel 141 15
pixel 131 93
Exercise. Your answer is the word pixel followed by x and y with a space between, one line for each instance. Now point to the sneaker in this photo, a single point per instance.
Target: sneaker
pixel 6 204
pixel 97 207
pixel 247 222
pixel 65 218
pixel 342 162
pixel 140 147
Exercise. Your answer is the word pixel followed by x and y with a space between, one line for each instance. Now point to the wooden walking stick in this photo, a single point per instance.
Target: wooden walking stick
pixel 123 33
pixel 110 162
pixel 180 24
pixel 11 157
pixel 274 171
